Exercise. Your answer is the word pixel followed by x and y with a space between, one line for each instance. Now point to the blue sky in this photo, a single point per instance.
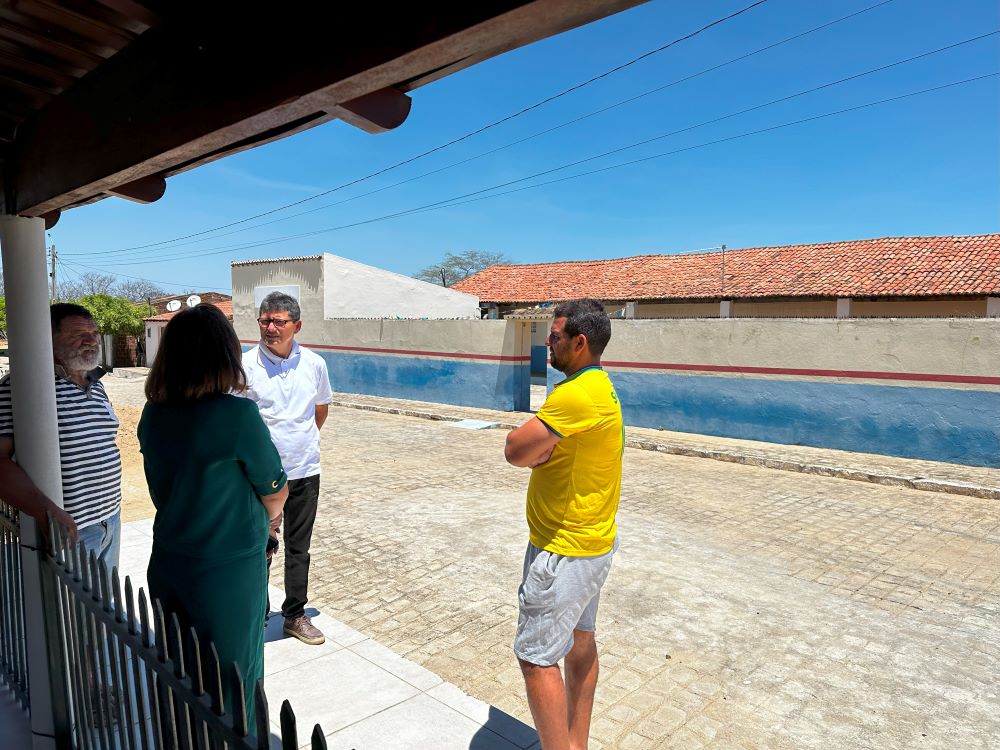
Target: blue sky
pixel 922 165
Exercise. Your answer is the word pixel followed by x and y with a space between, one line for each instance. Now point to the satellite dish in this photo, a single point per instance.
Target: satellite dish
pixel 174 305
pixel 193 300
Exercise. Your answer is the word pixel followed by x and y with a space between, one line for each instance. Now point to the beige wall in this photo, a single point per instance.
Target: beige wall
pixel 790 309
pixel 677 310
pixel 959 346
pixel 919 309
pixel 487 337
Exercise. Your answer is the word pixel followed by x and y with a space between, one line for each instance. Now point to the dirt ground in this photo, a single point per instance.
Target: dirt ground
pixel 127 397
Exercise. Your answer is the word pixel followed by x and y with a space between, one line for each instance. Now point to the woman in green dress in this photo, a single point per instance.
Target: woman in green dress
pixel 216 480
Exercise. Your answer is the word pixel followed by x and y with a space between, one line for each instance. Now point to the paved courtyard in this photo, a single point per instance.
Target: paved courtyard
pixel 747 608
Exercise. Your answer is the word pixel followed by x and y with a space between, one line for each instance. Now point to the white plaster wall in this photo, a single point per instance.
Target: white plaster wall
pixel 356 290
pixel 957 346
pixel 154 331
pixel 306 274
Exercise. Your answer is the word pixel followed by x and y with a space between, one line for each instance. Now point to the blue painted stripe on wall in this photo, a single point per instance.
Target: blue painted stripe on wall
pixel 958 426
pixel 489 385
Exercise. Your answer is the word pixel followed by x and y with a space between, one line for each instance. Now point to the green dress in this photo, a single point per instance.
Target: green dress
pixel 207 462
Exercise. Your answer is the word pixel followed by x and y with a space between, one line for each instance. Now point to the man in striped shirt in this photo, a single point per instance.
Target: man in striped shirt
pixel 91 464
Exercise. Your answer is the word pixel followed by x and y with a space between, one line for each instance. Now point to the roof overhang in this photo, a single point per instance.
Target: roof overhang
pixel 115 97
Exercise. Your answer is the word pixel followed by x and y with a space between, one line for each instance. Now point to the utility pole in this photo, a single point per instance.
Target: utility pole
pixel 52 273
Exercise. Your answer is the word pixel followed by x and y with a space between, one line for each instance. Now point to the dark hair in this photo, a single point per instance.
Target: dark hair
pixel 62 310
pixel 280 302
pixel 199 356
pixel 586 316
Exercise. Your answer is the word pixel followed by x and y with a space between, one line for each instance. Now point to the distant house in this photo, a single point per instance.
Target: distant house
pixel 330 287
pixel 889 277
pixel 156 323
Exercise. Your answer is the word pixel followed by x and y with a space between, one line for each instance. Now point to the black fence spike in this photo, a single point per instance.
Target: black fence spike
pixel 77 557
pixel 50 534
pixel 318 740
pixel 116 595
pixel 133 624
pixel 161 632
pixel 289 730
pixel 176 650
pixel 105 590
pixel 215 680
pixel 239 699
pixel 147 639
pixel 196 667
pixel 262 721
pixel 92 576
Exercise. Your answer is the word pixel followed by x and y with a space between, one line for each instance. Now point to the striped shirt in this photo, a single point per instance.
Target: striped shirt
pixel 91 463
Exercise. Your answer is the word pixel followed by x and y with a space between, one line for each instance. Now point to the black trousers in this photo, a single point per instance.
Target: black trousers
pixel 300 514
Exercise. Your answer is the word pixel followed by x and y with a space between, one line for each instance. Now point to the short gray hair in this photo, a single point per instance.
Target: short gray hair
pixel 280 302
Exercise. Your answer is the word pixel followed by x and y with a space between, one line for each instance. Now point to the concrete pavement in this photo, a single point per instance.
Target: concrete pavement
pixel 362 694
pixel 748 607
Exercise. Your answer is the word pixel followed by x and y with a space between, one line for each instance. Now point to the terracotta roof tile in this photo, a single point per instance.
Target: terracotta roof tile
pixel 886 267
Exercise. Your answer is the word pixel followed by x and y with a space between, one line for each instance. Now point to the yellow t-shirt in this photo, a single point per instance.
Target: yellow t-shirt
pixel 573 497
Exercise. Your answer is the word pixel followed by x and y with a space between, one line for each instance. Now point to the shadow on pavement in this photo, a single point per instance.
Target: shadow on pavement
pixel 275 623
pixel 503 732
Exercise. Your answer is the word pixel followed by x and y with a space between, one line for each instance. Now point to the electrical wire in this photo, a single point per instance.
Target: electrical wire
pixel 468 197
pixel 569 165
pixel 76 266
pixel 471 134
pixel 517 142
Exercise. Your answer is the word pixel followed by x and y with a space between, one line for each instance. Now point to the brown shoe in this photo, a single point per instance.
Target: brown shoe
pixel 301 627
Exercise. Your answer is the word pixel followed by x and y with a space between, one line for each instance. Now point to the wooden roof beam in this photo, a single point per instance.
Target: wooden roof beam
pixel 143 190
pixel 207 83
pixel 376 112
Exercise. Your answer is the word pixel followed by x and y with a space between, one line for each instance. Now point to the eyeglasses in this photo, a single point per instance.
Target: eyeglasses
pixel 278 323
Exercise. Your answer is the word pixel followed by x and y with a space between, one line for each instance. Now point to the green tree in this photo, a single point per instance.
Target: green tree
pixel 454 268
pixel 115 315
pixel 3 315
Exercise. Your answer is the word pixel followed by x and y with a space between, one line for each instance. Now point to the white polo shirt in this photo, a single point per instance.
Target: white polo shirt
pixel 287 392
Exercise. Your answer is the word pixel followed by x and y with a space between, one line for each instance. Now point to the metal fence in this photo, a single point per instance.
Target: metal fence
pixel 13 659
pixel 131 677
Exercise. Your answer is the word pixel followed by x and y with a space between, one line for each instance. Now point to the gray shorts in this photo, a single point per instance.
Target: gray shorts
pixel 558 595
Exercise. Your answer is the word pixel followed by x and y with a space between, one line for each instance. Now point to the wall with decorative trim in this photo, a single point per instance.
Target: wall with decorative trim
pixel 917 388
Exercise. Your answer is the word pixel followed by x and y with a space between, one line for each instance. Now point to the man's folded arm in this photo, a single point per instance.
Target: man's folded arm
pixel 530 444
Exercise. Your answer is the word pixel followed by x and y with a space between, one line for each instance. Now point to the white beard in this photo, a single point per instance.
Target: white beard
pixel 80 360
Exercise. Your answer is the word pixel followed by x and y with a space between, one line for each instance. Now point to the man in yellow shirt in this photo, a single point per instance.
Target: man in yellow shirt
pixel 574 448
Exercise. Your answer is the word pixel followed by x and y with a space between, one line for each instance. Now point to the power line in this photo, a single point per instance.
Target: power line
pixel 464 199
pixel 76 265
pixel 240 246
pixel 471 134
pixel 718 141
pixel 467 198
pixel 519 141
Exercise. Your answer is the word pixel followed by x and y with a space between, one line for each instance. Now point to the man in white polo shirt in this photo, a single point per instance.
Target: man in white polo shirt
pixel 292 389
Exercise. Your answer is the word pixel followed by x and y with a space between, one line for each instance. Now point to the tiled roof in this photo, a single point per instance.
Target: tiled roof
pixel 274 260
pixel 887 267
pixel 226 306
